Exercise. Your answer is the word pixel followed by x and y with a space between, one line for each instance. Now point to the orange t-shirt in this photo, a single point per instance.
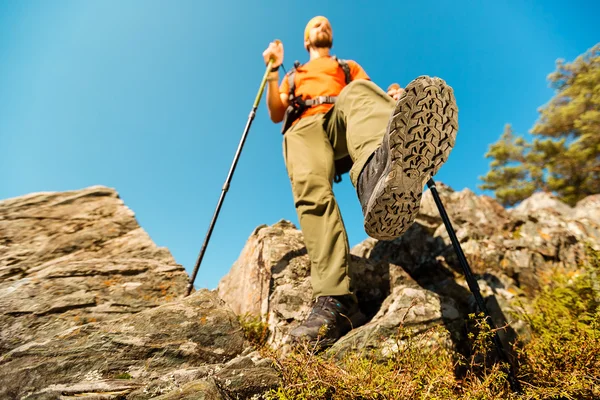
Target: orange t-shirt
pixel 322 76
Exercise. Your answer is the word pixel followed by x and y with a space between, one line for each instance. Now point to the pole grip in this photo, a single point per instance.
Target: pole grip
pixel 262 84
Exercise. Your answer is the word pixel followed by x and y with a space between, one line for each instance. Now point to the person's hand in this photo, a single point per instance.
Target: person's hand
pixel 274 51
pixel 395 91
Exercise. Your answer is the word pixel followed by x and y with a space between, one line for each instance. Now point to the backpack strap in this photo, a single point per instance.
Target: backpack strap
pixel 345 68
pixel 292 81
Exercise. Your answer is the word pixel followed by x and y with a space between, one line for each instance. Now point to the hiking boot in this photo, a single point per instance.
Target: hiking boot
pixel 418 140
pixel 330 318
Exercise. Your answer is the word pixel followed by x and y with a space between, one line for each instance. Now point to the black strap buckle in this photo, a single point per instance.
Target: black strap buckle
pixel 298 103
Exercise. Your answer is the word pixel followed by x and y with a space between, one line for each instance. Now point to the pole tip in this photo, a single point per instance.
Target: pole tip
pixel 188 290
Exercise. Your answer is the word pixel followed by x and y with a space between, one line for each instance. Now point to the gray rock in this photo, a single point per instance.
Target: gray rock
pixel 408 307
pixel 196 331
pixel 202 389
pixel 543 201
pixel 76 257
pixel 90 307
pixel 588 208
pixel 508 251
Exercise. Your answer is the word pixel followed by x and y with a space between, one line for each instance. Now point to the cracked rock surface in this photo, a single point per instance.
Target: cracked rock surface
pixel 416 282
pixel 91 307
pixel 75 257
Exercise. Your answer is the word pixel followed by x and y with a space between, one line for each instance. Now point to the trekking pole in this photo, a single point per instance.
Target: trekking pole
pixel 474 286
pixel 228 180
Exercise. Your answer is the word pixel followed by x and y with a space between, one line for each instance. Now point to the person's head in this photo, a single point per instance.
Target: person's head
pixel 318 33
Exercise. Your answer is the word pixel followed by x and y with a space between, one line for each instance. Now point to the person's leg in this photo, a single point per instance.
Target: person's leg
pixel 396 149
pixel 357 123
pixel 309 161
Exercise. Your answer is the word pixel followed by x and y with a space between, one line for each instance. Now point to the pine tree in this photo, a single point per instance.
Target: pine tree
pixel 512 176
pixel 564 157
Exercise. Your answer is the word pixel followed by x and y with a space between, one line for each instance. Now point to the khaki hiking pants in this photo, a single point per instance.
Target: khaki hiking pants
pixel 355 126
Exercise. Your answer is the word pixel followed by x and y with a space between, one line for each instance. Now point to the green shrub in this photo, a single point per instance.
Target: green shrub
pixel 559 360
pixel 255 330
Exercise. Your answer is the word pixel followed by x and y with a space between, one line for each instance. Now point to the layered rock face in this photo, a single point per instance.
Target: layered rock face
pixel 415 282
pixel 76 257
pixel 91 307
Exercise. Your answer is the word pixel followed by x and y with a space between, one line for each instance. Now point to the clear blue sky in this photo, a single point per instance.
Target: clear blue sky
pixel 151 98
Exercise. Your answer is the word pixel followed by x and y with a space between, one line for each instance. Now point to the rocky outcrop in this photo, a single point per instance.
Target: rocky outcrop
pixel 76 257
pixel 91 307
pixel 588 208
pixel 195 342
pixel 415 283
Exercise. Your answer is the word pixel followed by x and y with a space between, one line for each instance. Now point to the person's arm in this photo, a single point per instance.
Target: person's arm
pixel 356 71
pixel 277 101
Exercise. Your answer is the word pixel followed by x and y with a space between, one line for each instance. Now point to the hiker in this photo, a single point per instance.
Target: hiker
pixel 392 144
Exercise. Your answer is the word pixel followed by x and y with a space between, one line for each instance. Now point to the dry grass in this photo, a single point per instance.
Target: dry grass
pixel 560 360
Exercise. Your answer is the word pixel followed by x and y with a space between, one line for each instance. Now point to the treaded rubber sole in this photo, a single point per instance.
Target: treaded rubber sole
pixel 421 133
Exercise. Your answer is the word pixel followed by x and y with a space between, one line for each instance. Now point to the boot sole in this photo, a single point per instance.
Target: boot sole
pixel 420 135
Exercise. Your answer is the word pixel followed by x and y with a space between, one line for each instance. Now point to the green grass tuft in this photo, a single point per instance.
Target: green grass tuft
pixel 559 359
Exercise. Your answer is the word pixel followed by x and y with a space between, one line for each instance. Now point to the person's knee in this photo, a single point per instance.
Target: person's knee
pixel 359 85
pixel 312 190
